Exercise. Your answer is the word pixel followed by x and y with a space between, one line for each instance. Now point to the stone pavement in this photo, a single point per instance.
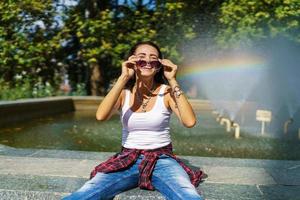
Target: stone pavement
pixel 52 174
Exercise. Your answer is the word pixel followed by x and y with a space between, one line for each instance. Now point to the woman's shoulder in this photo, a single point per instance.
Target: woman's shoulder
pixel 167 89
pixel 167 92
pixel 167 95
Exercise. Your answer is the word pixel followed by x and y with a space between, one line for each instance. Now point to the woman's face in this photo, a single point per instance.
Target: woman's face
pixel 148 63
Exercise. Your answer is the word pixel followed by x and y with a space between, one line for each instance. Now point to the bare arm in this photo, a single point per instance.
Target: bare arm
pixel 112 100
pixel 178 104
pixel 181 107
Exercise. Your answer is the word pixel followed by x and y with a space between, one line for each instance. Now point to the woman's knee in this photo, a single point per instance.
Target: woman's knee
pixel 172 180
pixel 175 190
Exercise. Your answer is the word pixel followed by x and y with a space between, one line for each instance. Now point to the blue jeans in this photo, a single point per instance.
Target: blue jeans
pixel 168 177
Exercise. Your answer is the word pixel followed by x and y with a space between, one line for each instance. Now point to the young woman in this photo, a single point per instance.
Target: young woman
pixel 146 159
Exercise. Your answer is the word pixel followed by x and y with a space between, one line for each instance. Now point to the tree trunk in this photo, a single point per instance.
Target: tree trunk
pixel 96 80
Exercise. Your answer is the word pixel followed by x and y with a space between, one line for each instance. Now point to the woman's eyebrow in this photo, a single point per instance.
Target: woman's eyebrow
pixel 154 55
pixel 143 54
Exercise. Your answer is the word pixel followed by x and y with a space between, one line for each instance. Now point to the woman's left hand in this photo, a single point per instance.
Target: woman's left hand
pixel 170 68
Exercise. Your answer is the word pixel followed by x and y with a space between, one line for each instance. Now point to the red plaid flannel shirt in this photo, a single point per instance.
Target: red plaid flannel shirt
pixel 128 157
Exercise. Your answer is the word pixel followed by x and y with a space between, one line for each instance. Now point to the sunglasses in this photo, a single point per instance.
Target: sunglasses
pixel 154 64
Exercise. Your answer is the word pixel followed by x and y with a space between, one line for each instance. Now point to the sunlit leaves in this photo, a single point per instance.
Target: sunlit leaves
pixel 26 37
pixel 246 21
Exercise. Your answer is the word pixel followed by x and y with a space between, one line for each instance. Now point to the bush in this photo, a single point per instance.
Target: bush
pixel 26 88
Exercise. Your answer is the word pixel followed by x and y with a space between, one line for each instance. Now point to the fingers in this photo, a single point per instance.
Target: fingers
pixel 168 65
pixel 127 62
pixel 165 62
pixel 131 61
pixel 133 58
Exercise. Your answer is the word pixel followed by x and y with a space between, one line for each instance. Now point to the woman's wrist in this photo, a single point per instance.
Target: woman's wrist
pixel 176 90
pixel 122 80
pixel 123 77
pixel 173 83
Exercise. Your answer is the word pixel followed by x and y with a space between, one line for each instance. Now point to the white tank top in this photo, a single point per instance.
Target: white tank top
pixel 146 130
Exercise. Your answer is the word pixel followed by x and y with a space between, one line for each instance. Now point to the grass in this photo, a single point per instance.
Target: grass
pixel 244 147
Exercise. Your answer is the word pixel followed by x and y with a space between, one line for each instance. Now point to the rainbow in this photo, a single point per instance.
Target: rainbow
pixel 222 64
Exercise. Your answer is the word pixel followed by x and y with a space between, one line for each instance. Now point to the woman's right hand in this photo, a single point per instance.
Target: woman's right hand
pixel 128 66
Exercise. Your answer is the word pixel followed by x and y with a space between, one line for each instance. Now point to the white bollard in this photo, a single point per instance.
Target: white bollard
pixel 286 125
pixel 236 130
pixel 227 122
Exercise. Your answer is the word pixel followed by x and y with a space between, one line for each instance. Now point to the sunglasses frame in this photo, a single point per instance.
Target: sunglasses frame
pixel 145 63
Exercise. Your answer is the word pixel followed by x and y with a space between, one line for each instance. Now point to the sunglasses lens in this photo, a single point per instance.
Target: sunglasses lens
pixel 141 63
pixel 155 64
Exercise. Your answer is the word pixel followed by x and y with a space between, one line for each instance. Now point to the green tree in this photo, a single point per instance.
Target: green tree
pixel 27 39
pixel 101 33
pixel 202 17
pixel 248 21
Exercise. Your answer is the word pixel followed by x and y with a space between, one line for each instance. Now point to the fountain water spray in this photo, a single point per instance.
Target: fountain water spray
pixel 241 81
pixel 219 117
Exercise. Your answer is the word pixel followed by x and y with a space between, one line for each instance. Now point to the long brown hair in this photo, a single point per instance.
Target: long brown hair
pixel 158 77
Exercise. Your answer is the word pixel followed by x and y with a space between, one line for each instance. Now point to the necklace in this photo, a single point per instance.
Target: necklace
pixel 141 99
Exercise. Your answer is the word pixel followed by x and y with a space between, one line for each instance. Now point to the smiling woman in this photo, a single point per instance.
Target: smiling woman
pixel 146 102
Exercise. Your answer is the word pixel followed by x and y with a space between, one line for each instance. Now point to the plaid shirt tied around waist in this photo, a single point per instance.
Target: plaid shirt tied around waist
pixel 128 157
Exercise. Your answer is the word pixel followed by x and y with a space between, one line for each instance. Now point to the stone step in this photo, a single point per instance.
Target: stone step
pixel 79 168
pixel 52 174
pixel 40 183
pixel 38 195
pixel 29 195
pixel 34 187
pixel 51 187
pixel 212 192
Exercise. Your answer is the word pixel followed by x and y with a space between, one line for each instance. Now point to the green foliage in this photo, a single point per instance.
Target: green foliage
pixel 34 43
pixel 24 89
pixel 79 90
pixel 255 20
pixel 27 39
pixel 174 30
pixel 108 35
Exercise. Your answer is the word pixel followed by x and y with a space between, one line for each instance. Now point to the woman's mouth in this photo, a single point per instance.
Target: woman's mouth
pixel 146 67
